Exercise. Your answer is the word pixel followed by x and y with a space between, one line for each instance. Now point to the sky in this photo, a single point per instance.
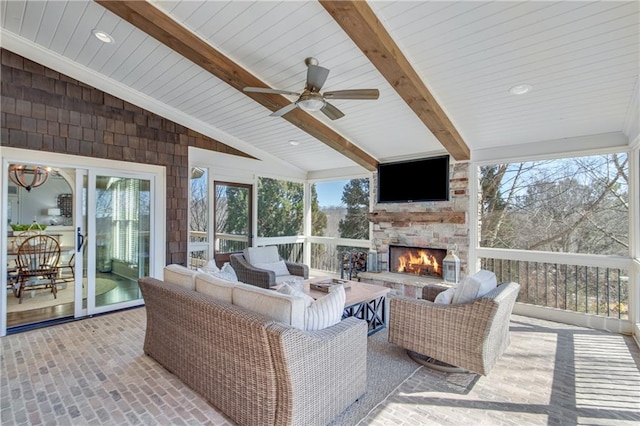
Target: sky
pixel 330 193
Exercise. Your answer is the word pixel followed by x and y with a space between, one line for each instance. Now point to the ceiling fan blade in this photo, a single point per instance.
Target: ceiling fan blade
pixel 267 90
pixel 362 94
pixel 331 111
pixel 316 76
pixel 282 111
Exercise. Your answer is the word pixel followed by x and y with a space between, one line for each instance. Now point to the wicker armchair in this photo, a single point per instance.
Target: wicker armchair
pixel 265 278
pixel 471 336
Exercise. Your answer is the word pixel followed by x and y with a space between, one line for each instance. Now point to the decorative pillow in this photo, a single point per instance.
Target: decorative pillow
pixel 293 291
pixel 326 311
pixel 445 297
pixel 225 273
pixel 209 268
pixel 475 286
pixel 279 267
pixel 255 255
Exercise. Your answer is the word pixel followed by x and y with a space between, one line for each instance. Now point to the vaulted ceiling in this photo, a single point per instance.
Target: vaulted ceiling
pixel 444 70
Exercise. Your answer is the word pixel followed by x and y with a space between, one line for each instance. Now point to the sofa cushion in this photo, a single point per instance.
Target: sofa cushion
pixel 474 286
pixel 326 311
pixel 277 306
pixel 215 287
pixel 268 254
pixel 279 267
pixel 178 274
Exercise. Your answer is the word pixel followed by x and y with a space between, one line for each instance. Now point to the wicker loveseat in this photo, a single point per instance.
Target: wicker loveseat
pixel 471 335
pixel 255 370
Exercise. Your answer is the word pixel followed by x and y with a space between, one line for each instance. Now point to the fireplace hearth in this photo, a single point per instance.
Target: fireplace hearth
pixel 416 260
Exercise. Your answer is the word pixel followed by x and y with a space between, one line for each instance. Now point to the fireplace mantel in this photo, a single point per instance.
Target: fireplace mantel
pixel 417 217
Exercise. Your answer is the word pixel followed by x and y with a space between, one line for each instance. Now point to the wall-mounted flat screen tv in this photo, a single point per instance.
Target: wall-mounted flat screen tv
pixel 425 179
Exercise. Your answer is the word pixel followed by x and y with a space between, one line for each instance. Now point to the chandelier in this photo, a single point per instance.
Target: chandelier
pixel 28 176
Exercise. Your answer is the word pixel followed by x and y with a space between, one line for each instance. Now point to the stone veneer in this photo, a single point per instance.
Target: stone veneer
pixel 423 234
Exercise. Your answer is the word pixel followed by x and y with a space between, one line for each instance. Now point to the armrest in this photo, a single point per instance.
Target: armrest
pixel 249 274
pixel 320 373
pixel 431 290
pixel 299 269
pixel 426 327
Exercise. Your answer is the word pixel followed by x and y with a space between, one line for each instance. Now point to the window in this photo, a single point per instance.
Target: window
pixel 345 205
pixel 571 205
pixel 280 208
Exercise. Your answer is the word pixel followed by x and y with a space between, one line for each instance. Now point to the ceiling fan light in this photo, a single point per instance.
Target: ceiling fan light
pixel 311 104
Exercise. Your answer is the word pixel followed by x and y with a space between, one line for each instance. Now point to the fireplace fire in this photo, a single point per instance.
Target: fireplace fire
pixel 416 260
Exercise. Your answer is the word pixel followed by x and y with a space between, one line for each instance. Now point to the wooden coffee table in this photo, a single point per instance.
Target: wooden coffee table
pixel 363 301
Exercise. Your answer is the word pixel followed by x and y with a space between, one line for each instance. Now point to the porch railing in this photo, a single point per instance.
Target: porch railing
pixel 580 286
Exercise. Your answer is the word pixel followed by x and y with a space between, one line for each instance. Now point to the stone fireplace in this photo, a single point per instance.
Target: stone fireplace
pixel 416 260
pixel 435 225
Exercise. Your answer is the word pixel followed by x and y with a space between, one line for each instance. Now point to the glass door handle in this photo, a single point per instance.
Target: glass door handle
pixel 80 240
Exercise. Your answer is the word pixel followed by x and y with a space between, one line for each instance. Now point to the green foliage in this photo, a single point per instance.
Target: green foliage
pixel 318 217
pixel 355 196
pixel 280 208
pixel 237 210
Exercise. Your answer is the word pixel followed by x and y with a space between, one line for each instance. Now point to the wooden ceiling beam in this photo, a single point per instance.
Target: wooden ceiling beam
pixel 163 28
pixel 363 27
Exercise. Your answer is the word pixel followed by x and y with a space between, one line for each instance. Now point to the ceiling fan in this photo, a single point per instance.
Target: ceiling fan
pixel 311 99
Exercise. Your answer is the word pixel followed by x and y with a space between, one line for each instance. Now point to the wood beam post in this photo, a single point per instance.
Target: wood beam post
pixel 163 28
pixel 361 24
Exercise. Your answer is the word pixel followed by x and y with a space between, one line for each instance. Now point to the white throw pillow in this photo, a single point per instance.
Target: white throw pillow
pixel 445 297
pixel 326 311
pixel 292 291
pixel 255 255
pixel 279 267
pixel 475 286
pixel 209 268
pixel 226 273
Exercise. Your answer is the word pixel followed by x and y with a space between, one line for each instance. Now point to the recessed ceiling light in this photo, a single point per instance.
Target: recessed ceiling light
pixel 520 89
pixel 294 143
pixel 103 36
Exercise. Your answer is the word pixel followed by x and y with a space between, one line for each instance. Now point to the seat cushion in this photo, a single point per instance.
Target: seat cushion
pixel 268 254
pixel 475 286
pixel 178 274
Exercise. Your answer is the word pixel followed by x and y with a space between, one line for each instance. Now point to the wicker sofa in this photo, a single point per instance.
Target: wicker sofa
pixel 471 335
pixel 256 370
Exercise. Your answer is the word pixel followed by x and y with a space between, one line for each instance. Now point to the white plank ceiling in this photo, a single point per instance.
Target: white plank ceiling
pixel 582 59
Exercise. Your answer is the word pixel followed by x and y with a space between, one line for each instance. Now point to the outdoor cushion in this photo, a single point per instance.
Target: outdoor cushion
pixel 321 313
pixel 177 274
pixel 474 286
pixel 326 311
pixel 277 306
pixel 445 297
pixel 279 267
pixel 210 267
pixel 216 287
pixel 268 254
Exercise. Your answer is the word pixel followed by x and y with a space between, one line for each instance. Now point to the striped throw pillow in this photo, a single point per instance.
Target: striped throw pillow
pixel 326 311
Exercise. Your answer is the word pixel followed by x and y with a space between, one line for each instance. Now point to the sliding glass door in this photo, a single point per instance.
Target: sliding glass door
pixel 119 238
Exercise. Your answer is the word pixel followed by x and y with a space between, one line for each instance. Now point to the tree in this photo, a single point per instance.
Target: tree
pixel 355 196
pixel 318 217
pixel 577 205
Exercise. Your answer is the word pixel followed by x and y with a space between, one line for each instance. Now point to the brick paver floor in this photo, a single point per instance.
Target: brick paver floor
pixel 93 372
